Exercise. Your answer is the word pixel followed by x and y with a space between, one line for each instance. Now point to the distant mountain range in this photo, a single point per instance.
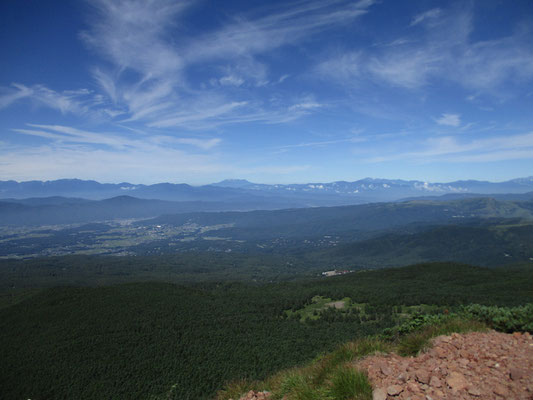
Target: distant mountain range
pixel 62 210
pixel 243 195
pixel 387 189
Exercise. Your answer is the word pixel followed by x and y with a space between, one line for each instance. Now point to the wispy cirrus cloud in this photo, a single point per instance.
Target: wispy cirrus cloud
pixel 439 47
pixel 295 23
pixel 78 101
pixel 135 36
pixel 356 139
pixel 449 120
pixel 10 95
pixel 426 16
pixel 66 135
pixel 454 149
pixel 150 58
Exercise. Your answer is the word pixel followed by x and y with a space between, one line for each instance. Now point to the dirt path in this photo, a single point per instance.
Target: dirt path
pixel 336 304
pixel 471 366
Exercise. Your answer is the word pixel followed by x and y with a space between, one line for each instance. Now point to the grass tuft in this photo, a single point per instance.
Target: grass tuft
pixel 348 383
pixel 297 386
pixel 418 341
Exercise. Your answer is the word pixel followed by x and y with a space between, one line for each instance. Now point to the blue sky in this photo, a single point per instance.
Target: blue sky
pixel 277 92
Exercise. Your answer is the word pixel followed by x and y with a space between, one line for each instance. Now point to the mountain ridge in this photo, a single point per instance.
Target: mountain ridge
pixel 310 194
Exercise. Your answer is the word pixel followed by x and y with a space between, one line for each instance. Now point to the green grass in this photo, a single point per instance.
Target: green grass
pixel 350 384
pixel 317 305
pixel 415 342
pixel 328 377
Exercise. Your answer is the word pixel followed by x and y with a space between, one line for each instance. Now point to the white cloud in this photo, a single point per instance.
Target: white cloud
pixel 444 51
pixel 343 68
pixel 203 144
pixel 425 16
pixel 324 143
pixel 231 80
pixel 148 74
pixel 134 35
pixel 248 36
pixel 66 135
pixel 106 82
pixel 305 106
pixel 196 117
pixel 449 120
pixel 406 69
pixel 452 149
pixel 69 101
pixel 9 96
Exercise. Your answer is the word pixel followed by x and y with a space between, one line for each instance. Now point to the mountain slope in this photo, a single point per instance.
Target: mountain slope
pixel 483 245
pixel 155 340
pixel 312 222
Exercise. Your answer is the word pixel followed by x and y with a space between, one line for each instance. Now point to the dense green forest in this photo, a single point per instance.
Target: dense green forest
pixel 177 268
pixel 139 340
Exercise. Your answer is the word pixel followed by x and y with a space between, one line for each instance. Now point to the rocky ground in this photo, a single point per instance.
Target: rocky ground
pixel 470 366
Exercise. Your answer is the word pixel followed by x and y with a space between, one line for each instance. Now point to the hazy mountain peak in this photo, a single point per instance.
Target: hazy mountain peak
pixel 234 183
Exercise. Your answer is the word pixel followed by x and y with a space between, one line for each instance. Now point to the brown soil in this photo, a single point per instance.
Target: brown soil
pixel 470 366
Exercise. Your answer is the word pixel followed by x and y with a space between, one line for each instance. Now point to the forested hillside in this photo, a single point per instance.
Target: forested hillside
pixel 151 339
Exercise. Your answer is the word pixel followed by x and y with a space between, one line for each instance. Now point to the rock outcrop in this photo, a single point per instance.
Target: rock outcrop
pixel 471 366
pixel 478 366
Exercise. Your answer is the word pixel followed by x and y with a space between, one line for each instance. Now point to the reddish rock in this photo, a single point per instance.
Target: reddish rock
pixel 435 382
pixel 500 390
pixel 516 374
pixel 385 369
pixel 252 395
pixel 440 352
pixel 403 377
pixel 413 387
pixel 379 394
pixel 463 361
pixel 422 376
pixel 394 390
pixel 465 365
pixel 456 381
pixel 474 391
pixel 445 339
